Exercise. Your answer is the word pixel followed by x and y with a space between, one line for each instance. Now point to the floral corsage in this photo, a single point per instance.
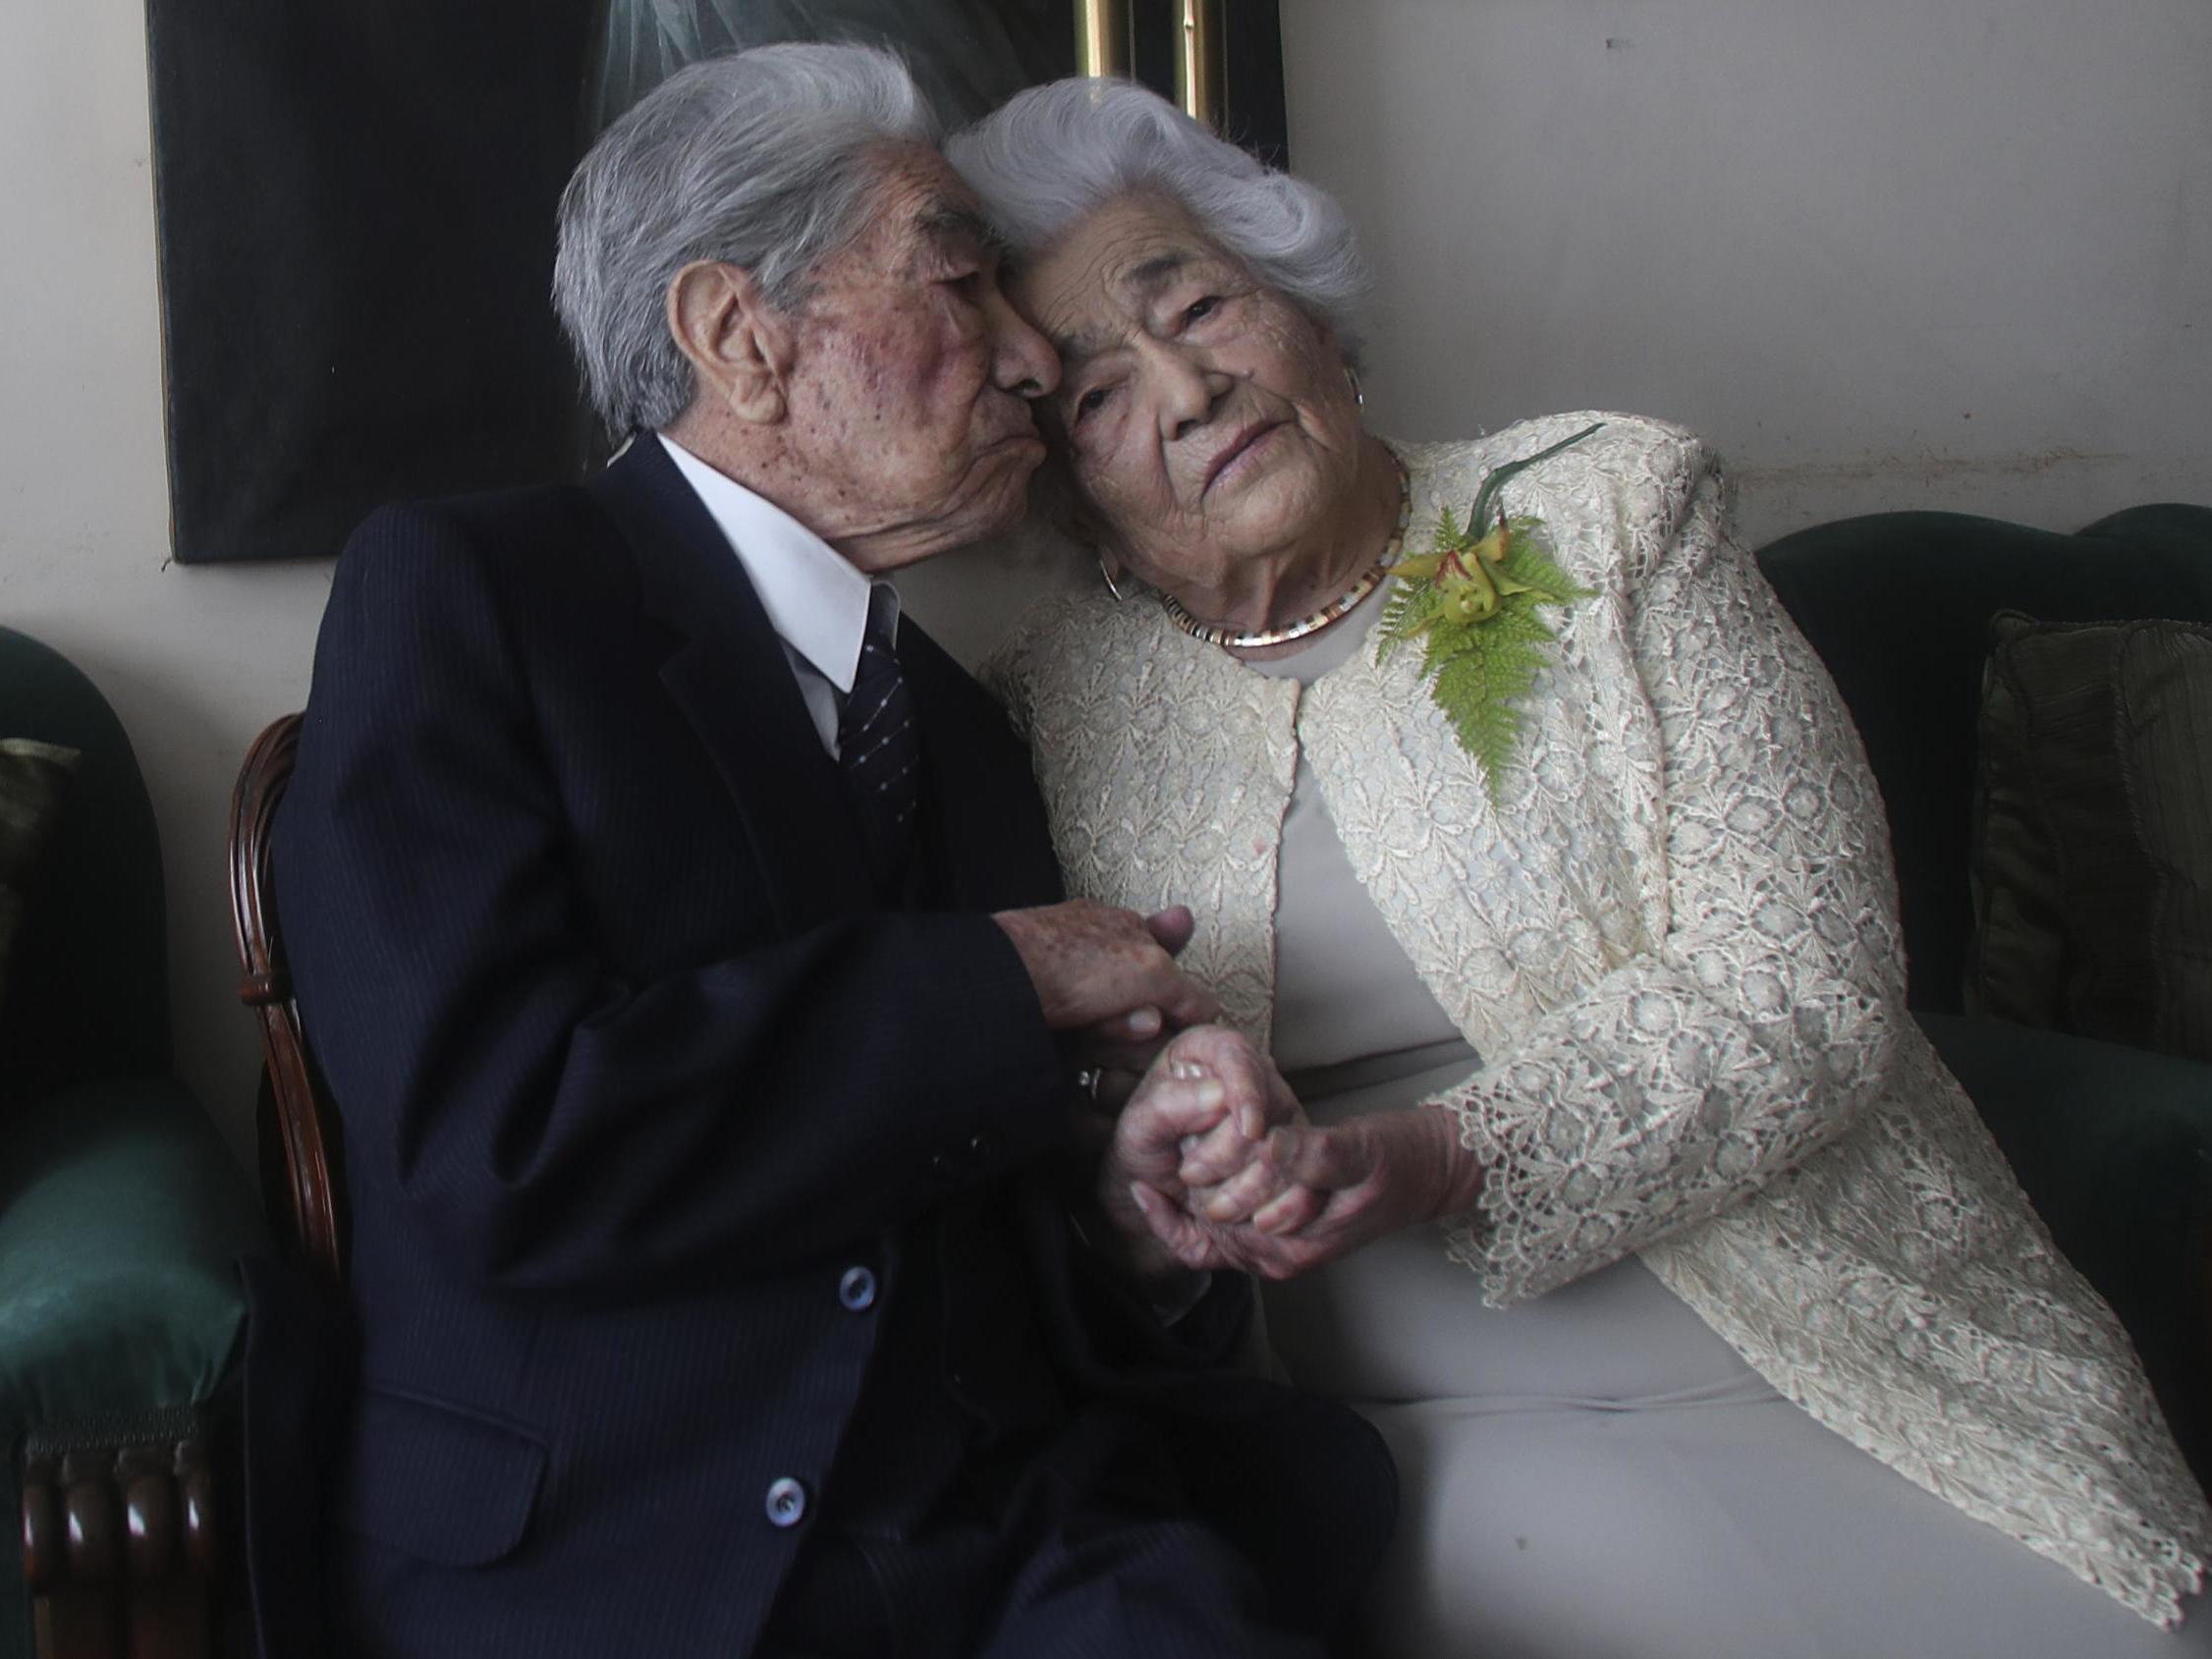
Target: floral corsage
pixel 1472 600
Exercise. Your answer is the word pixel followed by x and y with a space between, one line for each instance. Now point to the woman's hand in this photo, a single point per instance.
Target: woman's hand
pixel 1210 1104
pixel 1318 1194
pixel 1213 1165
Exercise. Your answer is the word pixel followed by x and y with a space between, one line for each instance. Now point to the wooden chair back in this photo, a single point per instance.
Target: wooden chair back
pixel 302 1142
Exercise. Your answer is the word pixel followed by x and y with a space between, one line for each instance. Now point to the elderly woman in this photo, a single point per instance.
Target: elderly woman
pixel 1535 845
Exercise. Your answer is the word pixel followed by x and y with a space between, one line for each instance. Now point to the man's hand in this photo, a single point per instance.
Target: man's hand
pixel 1109 974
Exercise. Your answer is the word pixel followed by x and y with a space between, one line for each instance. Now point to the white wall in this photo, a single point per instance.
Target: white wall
pixel 193 660
pixel 1827 235
pixel 1884 253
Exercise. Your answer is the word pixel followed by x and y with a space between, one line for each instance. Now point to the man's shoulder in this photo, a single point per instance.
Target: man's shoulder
pixel 544 541
pixel 493 526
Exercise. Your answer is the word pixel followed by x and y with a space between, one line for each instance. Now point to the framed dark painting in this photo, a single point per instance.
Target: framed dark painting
pixel 355 199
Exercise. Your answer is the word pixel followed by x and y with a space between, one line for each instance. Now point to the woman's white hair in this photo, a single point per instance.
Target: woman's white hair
pixel 1052 154
pixel 762 159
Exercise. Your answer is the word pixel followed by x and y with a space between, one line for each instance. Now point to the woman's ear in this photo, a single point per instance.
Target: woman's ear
pixel 739 345
pixel 1112 570
pixel 1335 348
pixel 1090 530
pixel 1053 495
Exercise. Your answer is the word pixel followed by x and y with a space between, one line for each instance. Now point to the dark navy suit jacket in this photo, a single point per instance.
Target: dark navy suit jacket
pixel 634 1070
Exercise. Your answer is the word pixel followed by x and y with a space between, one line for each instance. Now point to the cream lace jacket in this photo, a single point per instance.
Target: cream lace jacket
pixel 1674 942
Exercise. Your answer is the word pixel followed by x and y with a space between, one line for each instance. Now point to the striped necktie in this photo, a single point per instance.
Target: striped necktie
pixel 880 747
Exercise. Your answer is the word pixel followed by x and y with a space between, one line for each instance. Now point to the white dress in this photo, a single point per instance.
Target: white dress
pixel 1595 1474
pixel 1670 934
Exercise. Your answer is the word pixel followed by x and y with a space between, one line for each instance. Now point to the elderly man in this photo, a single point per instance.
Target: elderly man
pixel 679 933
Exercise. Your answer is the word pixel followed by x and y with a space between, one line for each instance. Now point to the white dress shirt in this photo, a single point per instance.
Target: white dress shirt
pixel 816 601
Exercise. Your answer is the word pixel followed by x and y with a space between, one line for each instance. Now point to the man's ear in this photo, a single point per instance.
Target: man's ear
pixel 739 345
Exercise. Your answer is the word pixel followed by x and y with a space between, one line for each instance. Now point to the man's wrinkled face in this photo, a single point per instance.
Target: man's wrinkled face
pixel 911 374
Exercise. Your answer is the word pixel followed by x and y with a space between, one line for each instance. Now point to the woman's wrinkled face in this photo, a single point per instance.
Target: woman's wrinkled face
pixel 1206 417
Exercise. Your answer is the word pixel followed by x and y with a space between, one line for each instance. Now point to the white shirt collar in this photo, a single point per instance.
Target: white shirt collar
pixel 816 601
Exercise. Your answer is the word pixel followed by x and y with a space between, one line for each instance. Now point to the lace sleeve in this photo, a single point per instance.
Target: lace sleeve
pixel 1764 1020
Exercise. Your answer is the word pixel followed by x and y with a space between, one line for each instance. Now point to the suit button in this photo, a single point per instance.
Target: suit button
pixel 945 1166
pixel 983 1148
pixel 856 1289
pixel 787 1502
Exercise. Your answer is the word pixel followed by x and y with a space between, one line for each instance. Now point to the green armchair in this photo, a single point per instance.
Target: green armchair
pixel 2112 1143
pixel 121 1215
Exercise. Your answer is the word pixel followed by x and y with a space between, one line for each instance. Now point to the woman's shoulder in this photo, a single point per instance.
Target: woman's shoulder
pixel 1614 492
pixel 1615 445
pixel 1083 620
pixel 1066 638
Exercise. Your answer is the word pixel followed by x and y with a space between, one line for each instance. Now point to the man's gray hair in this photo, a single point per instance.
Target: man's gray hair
pixel 1054 153
pixel 760 159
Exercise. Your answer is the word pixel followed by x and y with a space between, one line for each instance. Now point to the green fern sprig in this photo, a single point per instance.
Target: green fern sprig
pixel 1473 600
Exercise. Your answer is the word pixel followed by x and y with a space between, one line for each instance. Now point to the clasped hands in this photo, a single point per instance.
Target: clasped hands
pixel 1211 1163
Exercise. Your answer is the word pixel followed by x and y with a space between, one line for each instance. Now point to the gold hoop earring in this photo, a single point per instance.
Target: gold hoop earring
pixel 1351 379
pixel 1114 587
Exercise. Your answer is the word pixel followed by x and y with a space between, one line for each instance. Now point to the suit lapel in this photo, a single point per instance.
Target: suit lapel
pixel 732 681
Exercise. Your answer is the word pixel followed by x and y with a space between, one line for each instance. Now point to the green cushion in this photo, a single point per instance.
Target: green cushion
pixel 120 1214
pixel 32 778
pixel 2092 851
pixel 95 928
pixel 2114 1145
pixel 1897 605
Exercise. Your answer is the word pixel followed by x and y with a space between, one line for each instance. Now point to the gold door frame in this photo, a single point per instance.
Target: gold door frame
pixel 1102 47
pixel 1102 41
